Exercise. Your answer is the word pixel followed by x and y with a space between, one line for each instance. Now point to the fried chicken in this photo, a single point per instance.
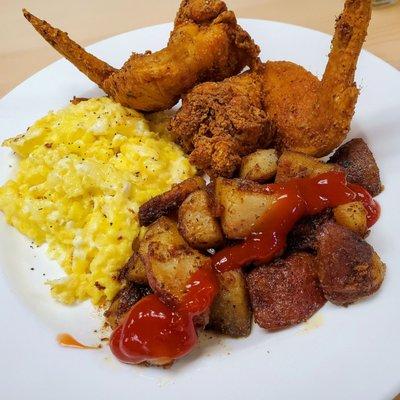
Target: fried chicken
pixel 293 108
pixel 206 44
pixel 312 116
pixel 220 122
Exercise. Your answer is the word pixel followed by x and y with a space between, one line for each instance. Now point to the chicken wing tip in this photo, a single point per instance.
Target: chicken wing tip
pixel 95 69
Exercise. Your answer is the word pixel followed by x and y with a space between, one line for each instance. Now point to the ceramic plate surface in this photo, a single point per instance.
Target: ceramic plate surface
pixel 343 353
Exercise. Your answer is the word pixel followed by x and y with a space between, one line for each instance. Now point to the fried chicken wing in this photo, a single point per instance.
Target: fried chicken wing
pixel 278 101
pixel 206 44
pixel 312 116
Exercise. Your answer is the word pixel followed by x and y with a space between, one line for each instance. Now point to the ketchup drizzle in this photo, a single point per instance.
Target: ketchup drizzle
pixel 295 199
pixel 154 332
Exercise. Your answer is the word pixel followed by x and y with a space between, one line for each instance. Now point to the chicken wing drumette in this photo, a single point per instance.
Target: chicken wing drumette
pixel 206 44
pixel 282 103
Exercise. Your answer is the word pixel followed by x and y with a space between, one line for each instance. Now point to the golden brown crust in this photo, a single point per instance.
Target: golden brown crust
pixel 353 216
pixel 359 163
pixel 197 224
pixel 206 44
pixel 130 294
pixel 283 102
pixel 134 270
pixel 285 292
pixel 199 11
pixel 220 122
pixel 293 165
pixel 348 267
pixel 259 166
pixel 312 116
pixel 96 70
pixel 230 313
pixel 303 237
pixel 339 89
pixel 169 260
pixel 291 96
pixel 241 203
pixel 166 202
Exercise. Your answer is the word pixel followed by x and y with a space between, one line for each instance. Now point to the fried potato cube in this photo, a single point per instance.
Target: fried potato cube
pixel 293 165
pixel 348 267
pixel 230 313
pixel 285 292
pixel 303 237
pixel 241 203
pixel 259 166
pixel 169 260
pixel 166 202
pixel 196 222
pixel 129 295
pixel 353 216
pixel 360 165
pixel 134 270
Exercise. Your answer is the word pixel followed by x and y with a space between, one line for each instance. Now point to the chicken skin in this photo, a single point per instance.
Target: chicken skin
pixel 206 44
pixel 295 110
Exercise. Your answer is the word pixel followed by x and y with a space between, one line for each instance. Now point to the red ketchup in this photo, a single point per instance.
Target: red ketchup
pixel 294 200
pixel 155 332
pixel 372 207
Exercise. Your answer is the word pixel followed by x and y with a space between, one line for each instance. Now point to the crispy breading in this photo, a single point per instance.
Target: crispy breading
pixel 348 267
pixel 285 292
pixel 220 122
pixel 359 163
pixel 231 313
pixel 278 101
pixel 166 202
pixel 129 295
pixel 96 70
pixel 197 223
pixel 206 44
pixel 312 116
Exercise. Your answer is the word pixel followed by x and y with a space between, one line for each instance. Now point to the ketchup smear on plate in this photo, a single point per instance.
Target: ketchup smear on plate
pixel 155 332
pixel 66 340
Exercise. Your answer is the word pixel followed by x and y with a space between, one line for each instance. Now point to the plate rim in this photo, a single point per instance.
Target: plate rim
pixel 149 27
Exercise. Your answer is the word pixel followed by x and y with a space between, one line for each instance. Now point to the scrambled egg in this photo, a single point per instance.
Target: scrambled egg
pixel 84 172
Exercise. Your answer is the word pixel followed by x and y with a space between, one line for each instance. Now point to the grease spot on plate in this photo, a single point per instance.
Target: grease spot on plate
pixel 164 382
pixel 313 323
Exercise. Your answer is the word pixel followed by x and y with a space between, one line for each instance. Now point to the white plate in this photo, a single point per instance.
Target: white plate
pixel 354 353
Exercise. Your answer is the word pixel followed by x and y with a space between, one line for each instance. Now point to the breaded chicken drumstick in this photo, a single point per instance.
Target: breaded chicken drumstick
pixel 206 44
pixel 278 103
